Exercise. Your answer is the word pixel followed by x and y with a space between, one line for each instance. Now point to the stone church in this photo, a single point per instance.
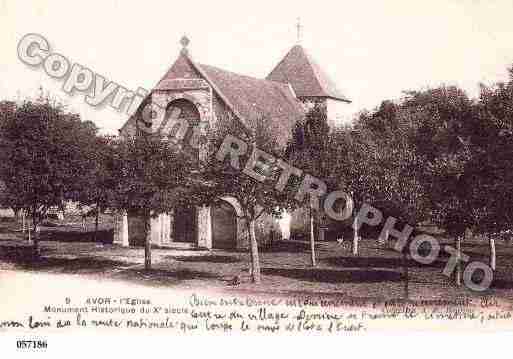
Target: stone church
pixel 209 94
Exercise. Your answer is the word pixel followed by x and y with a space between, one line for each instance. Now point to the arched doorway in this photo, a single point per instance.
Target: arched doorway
pixel 184 224
pixel 224 226
pixel 182 109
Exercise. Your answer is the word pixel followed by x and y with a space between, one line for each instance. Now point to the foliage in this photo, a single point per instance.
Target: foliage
pixel 43 151
pixel 152 176
pixel 255 197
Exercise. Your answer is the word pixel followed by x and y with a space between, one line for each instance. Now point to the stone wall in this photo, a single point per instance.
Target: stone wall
pixel 338 113
pixel 201 98
pixel 204 230
pixel 136 230
pixel 310 102
pixel 6 213
pixel 161 230
pixel 266 227
pixel 300 226
pixel 299 223
pixel 213 111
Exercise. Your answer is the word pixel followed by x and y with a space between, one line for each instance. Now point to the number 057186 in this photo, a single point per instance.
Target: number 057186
pixel 31 344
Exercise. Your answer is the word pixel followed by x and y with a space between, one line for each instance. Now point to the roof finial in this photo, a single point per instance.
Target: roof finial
pixel 299 28
pixel 184 41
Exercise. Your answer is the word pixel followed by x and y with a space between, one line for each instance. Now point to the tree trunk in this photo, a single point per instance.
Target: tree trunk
pixel 354 246
pixel 312 240
pixel 96 221
pixel 250 258
pixel 147 243
pixel 250 261
pixel 84 223
pixel 23 222
pixel 322 234
pixel 493 255
pixel 255 262
pixel 458 258
pixel 406 275
pixel 35 243
pixel 386 242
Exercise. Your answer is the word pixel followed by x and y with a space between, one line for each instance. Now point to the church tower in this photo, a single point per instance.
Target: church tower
pixel 310 83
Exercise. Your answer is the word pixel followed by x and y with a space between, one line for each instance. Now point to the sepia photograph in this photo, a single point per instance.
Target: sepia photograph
pixel 190 171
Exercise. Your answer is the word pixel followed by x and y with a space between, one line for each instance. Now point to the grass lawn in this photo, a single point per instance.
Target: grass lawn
pixel 376 273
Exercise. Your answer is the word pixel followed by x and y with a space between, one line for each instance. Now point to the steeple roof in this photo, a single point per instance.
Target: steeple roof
pixel 305 76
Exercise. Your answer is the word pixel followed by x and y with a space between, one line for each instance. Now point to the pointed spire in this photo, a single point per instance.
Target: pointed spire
pixel 299 27
pixel 304 74
pixel 184 41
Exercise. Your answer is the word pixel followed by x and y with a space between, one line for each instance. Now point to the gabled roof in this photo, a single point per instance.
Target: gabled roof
pixel 251 97
pixel 247 97
pixel 305 76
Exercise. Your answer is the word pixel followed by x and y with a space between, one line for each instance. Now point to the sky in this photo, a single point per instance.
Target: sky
pixel 374 50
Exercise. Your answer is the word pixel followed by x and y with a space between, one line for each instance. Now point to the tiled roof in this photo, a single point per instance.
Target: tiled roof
pixel 251 97
pixel 305 75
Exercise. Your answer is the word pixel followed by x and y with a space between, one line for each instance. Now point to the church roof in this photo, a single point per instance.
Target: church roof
pixel 305 76
pixel 250 97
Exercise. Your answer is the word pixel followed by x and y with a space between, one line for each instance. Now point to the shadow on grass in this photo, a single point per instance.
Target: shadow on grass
pixel 22 257
pixel 378 262
pixel 423 250
pixel 7 220
pixel 6 230
pixel 81 265
pixel 290 246
pixel 335 276
pixel 500 283
pixel 73 235
pixel 205 258
pixel 162 277
pixel 20 253
pixel 277 246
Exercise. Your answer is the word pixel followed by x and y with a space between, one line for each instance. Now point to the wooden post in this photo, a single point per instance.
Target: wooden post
pixel 255 261
pixel 23 221
pixel 493 254
pixel 406 274
pixel 355 236
pixel 147 242
pixel 96 223
pixel 458 258
pixel 312 239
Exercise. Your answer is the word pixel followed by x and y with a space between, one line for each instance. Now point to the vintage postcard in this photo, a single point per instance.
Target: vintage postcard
pixel 291 169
